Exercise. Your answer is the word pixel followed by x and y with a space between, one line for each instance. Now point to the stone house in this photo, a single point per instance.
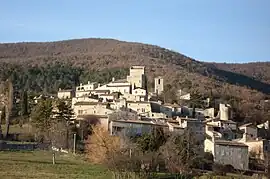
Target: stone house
pixel 133 127
pixel 228 152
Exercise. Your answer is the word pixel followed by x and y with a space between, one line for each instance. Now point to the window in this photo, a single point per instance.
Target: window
pixel 159 81
pixel 80 111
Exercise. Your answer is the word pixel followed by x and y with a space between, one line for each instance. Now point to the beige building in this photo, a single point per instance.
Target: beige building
pixel 175 127
pixel 132 97
pixel 141 107
pixel 257 147
pixel 65 94
pixel 157 115
pixel 210 112
pixel 185 96
pixel 137 77
pixel 92 108
pixel 82 99
pixel 225 112
pixel 140 93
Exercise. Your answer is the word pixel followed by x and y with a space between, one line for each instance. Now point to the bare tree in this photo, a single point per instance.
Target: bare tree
pixel 6 98
pixel 101 146
pixel 179 153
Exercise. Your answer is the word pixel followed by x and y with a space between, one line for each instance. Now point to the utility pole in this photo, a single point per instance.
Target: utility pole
pixel 53 159
pixel 74 144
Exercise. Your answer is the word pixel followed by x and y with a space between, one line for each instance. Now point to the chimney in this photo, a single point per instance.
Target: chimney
pixel 88 82
pixel 245 137
pixel 113 78
pixel 99 85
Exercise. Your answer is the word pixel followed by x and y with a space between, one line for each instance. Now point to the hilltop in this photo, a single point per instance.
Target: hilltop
pixel 46 66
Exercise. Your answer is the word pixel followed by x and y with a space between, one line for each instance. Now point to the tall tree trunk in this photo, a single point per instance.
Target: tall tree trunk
pixel 1 125
pixel 67 137
pixel 7 122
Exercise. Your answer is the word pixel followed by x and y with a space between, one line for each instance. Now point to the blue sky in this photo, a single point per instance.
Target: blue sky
pixel 207 30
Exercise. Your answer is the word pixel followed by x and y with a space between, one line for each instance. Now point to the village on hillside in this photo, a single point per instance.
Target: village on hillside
pixel 125 106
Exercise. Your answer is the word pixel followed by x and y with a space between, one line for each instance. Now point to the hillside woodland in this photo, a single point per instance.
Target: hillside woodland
pixel 45 67
pixel 258 71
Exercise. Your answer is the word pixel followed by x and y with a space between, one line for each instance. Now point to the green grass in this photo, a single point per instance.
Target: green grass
pixel 25 129
pixel 38 164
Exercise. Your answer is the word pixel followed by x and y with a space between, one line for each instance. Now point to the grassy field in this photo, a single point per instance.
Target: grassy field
pixel 38 164
pixel 25 129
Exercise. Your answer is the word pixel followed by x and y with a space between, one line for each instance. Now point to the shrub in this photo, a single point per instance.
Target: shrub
pixel 26 137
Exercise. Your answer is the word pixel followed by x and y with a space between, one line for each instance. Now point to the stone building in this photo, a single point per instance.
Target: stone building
pixel 159 86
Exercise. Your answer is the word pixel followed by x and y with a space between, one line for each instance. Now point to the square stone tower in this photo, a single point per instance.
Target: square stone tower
pixel 159 85
pixel 137 77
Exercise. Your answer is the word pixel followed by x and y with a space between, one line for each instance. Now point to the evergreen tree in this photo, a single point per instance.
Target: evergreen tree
pixel 24 103
pixel 63 116
pixel 41 115
pixel 151 142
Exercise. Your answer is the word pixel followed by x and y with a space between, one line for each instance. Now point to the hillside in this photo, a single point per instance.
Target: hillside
pixel 258 71
pixel 44 67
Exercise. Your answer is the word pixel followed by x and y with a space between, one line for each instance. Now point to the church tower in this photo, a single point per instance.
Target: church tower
pixel 159 86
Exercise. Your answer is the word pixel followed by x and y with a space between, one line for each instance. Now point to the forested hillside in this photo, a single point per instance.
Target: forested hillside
pixel 45 67
pixel 259 70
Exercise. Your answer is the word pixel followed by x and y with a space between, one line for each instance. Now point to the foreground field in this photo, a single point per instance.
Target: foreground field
pixel 38 164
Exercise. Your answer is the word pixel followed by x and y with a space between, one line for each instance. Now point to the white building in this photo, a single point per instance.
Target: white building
pixel 122 86
pixel 87 87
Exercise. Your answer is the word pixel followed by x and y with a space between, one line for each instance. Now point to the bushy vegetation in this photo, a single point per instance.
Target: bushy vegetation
pixel 145 156
pixel 49 78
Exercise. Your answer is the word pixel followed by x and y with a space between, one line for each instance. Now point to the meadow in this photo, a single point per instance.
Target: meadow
pixel 38 164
